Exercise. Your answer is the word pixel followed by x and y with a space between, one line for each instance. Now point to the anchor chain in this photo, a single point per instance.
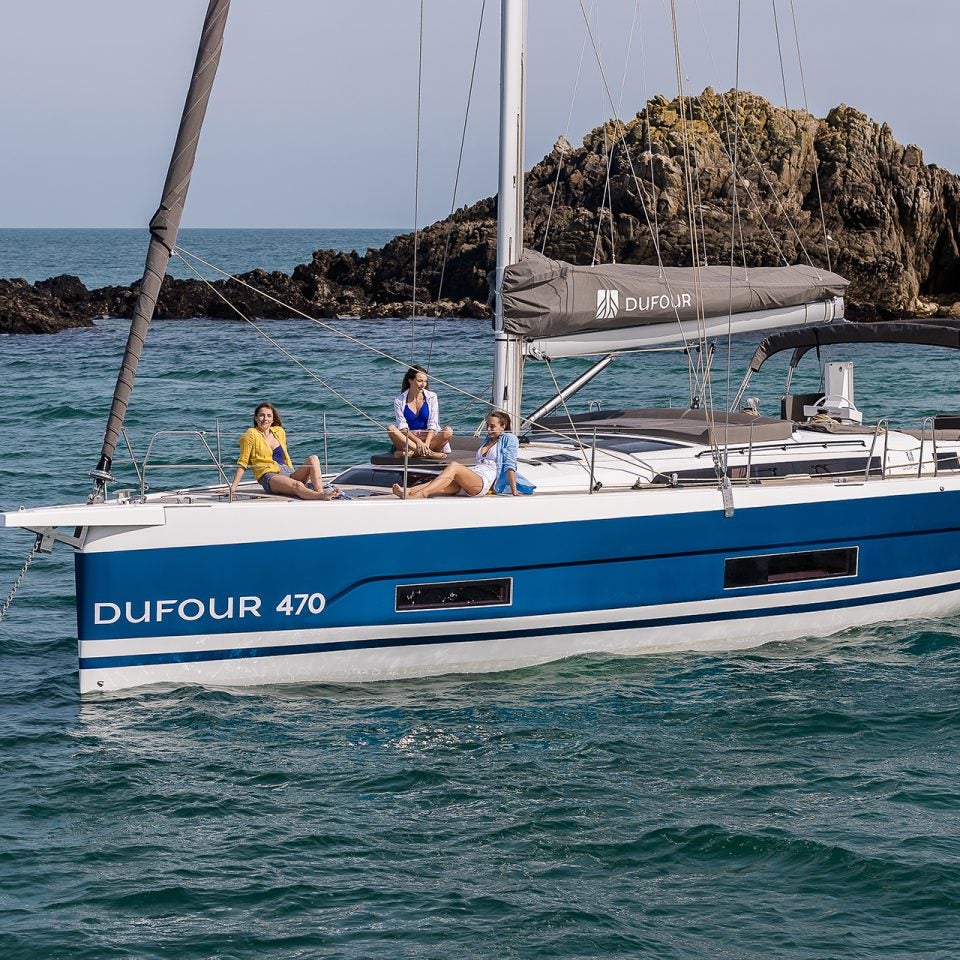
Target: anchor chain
pixel 16 583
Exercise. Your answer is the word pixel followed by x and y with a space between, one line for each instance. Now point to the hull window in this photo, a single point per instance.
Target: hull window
pixel 465 593
pixel 789 567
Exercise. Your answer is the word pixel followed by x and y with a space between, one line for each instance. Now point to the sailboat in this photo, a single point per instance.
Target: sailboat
pixel 650 530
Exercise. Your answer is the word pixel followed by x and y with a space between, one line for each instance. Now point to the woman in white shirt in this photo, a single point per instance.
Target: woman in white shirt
pixel 495 467
pixel 417 419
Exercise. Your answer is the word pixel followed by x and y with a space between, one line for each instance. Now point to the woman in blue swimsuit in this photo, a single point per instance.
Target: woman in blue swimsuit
pixel 417 419
pixel 495 467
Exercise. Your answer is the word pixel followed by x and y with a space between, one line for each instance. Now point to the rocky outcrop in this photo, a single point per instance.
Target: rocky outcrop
pixel 838 191
pixel 47 306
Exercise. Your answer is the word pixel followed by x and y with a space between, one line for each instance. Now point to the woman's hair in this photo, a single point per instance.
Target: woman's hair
pixel 277 421
pixel 504 418
pixel 411 375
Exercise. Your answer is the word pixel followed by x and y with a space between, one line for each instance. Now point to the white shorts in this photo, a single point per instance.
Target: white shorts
pixel 487 475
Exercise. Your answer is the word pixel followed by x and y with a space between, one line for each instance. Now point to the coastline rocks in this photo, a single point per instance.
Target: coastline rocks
pixel 838 191
pixel 47 306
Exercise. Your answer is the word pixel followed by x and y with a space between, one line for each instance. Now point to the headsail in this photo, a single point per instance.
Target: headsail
pixel 566 310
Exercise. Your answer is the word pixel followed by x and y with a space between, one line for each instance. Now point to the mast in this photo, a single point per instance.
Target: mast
pixel 163 230
pixel 508 357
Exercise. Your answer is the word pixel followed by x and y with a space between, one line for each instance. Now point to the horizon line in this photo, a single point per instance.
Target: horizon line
pixel 146 228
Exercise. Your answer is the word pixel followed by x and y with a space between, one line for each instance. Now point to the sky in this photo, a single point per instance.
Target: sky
pixel 313 117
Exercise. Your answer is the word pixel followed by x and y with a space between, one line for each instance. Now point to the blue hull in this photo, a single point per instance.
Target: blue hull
pixel 556 570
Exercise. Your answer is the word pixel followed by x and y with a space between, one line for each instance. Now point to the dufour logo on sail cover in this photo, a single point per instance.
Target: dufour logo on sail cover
pixel 608 303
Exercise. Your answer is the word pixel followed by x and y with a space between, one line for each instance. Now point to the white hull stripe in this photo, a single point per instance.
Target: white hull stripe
pixel 199 656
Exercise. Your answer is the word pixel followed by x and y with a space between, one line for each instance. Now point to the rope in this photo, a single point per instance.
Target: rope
pixel 20 576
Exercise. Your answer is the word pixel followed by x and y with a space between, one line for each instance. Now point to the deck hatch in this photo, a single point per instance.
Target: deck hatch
pixel 775 568
pixel 451 595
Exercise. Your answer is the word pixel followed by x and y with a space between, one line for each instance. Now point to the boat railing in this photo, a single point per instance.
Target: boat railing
pixel 356 443
pixel 933 438
pixel 594 486
pixel 883 426
pixel 160 435
pixel 140 467
pixel 210 441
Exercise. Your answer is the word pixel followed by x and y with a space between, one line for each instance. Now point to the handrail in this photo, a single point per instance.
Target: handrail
pixel 326 433
pixel 933 436
pixel 593 462
pixel 201 435
pixel 884 423
pixel 133 458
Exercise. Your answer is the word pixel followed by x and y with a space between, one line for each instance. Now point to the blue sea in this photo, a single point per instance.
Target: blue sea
pixel 796 801
pixel 115 257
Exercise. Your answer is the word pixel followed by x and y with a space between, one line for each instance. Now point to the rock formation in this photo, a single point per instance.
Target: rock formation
pixel 838 191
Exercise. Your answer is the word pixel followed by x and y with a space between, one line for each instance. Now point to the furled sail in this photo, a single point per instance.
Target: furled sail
pixel 163 230
pixel 567 309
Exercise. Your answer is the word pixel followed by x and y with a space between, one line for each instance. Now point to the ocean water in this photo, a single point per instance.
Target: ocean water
pixel 107 257
pixel 795 801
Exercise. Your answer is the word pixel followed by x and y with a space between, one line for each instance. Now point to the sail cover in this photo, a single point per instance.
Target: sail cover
pixel 545 298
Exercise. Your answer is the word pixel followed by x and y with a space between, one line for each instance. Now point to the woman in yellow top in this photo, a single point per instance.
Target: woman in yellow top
pixel 263 447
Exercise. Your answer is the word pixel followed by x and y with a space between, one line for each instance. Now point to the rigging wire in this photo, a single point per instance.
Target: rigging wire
pixel 582 444
pixel 566 410
pixel 456 180
pixel 783 75
pixel 280 347
pixel 724 143
pixel 563 146
pixel 705 356
pixel 473 400
pixel 725 146
pixel 606 201
pixel 623 129
pixel 734 220
pixel 180 251
pixel 698 214
pixel 688 185
pixel 745 184
pixel 633 172
pixel 816 159
pixel 416 188
pixel 646 114
pixel 623 87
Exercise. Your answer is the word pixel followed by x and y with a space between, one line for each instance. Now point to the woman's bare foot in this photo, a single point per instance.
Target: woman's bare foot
pixel 331 494
pixel 435 455
pixel 398 491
